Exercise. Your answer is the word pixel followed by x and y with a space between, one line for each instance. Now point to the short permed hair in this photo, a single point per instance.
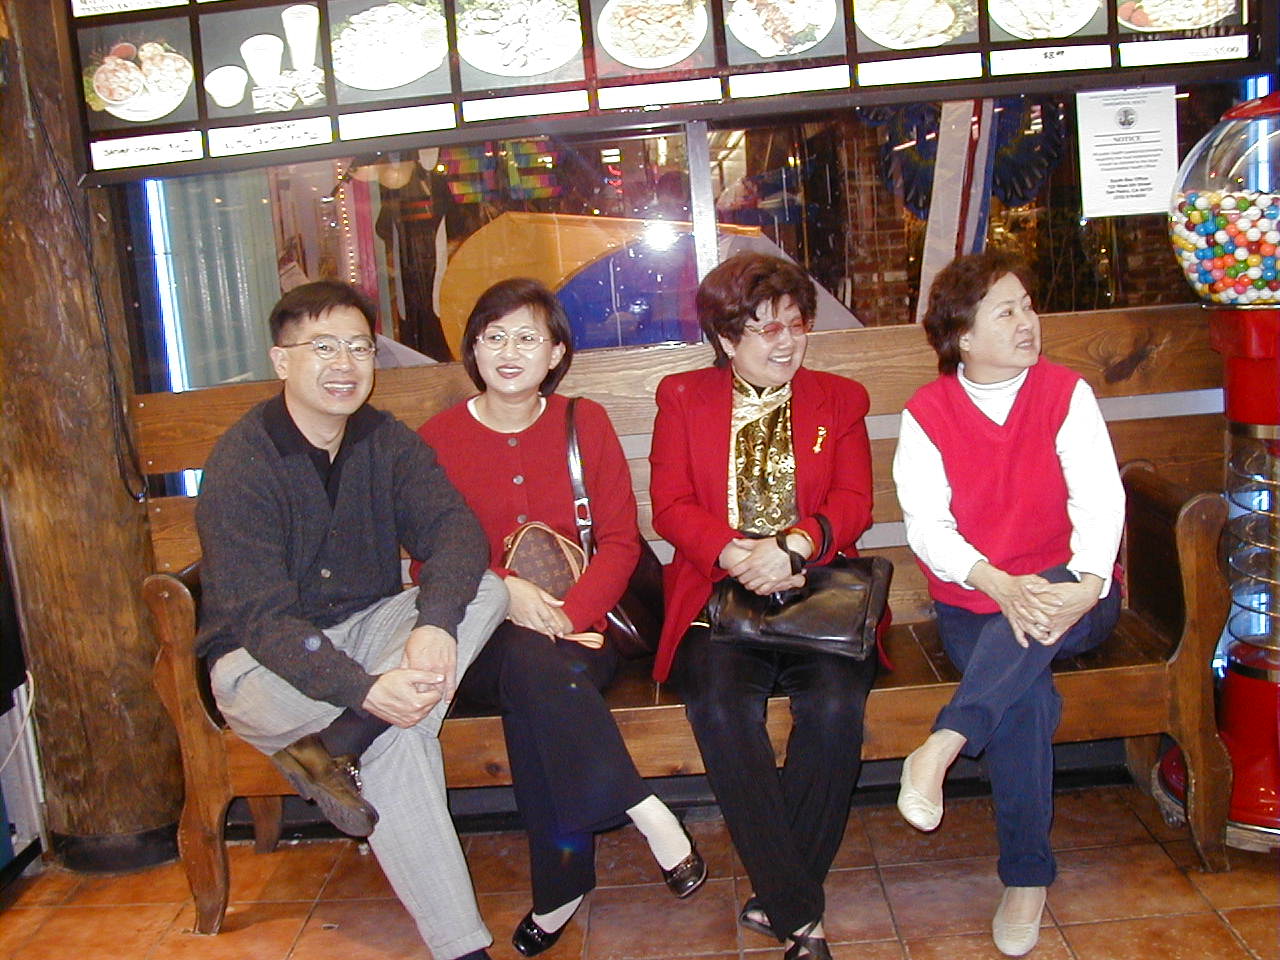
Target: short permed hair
pixel 956 292
pixel 311 300
pixel 507 296
pixel 730 295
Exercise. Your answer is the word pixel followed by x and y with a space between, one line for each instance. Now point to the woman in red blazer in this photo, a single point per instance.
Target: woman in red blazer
pixel 754 446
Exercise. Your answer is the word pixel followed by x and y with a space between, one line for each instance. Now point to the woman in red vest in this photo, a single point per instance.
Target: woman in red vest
pixel 745 453
pixel 1013 506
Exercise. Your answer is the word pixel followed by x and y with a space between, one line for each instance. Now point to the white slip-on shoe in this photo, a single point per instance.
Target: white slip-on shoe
pixel 917 809
pixel 1015 939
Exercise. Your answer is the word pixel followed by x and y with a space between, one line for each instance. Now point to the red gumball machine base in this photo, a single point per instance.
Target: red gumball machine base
pixel 1249 723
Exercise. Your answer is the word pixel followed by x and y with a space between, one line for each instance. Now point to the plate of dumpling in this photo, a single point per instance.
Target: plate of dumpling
pixel 907 24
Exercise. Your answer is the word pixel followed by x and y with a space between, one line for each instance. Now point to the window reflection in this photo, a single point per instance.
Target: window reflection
pixel 607 222
pixel 603 221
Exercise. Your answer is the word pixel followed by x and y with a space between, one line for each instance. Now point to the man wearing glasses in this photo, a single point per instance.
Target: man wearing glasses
pixel 317 656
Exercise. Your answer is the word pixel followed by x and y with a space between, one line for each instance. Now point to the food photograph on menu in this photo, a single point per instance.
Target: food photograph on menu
pixel 1152 16
pixel 914 24
pixel 633 36
pixel 757 30
pixel 1046 19
pixel 512 43
pixel 262 61
pixel 391 49
pixel 137 73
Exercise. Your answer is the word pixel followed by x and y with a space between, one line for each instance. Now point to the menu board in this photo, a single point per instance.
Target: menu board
pixel 171 86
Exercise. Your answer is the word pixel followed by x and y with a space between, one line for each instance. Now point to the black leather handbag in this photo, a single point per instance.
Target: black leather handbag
pixel 634 625
pixel 836 611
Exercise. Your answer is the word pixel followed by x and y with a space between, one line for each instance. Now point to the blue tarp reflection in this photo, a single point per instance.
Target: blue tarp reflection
pixel 642 293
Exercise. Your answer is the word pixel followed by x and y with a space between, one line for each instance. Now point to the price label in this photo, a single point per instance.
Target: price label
pixel 384 123
pixel 952 66
pixel 92 8
pixel 145 150
pixel 650 94
pixel 1191 50
pixel 529 105
pixel 258 137
pixel 789 81
pixel 1095 56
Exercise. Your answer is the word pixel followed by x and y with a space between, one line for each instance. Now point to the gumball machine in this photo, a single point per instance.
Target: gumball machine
pixel 1224 223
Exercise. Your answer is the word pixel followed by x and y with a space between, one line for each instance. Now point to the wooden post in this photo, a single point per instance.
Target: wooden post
pixel 76 536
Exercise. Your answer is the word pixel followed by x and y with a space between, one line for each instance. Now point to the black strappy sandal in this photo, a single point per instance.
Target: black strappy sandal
pixel 807 947
pixel 754 918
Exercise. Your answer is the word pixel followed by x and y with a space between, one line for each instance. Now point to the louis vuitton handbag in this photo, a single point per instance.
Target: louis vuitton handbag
pixel 836 611
pixel 535 552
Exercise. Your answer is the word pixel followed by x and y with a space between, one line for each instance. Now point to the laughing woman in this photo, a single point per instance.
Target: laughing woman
pixel 746 455
pixel 1013 506
pixel 506 452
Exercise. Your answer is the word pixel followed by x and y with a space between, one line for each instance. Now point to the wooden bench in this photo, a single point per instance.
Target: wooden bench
pixel 1152 677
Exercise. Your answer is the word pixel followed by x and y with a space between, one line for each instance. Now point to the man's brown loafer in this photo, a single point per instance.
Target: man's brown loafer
pixel 332 782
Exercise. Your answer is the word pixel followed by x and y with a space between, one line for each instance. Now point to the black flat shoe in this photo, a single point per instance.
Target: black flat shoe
pixel 745 918
pixel 530 939
pixel 687 875
pixel 806 947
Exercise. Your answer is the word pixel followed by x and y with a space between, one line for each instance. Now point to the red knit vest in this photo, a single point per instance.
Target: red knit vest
pixel 1008 494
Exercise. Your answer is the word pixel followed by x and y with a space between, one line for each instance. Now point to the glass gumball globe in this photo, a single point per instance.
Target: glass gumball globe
pixel 1224 217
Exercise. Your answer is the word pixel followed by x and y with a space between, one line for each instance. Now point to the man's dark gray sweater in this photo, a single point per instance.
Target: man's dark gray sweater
pixel 281 563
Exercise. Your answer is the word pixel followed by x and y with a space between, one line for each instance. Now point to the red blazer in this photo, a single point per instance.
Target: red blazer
pixel 689 464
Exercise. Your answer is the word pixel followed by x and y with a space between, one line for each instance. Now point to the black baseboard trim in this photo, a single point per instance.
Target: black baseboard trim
pixel 689 797
pixel 116 852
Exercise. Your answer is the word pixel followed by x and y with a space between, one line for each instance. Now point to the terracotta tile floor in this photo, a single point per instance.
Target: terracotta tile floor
pixel 1128 889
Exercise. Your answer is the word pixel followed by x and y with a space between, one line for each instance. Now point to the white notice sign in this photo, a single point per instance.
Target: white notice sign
pixel 1128 150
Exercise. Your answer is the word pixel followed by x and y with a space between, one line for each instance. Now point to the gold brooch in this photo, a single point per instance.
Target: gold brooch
pixel 822 436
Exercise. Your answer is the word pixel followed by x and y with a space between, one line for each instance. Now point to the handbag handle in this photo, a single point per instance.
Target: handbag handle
pixel 798 563
pixel 581 503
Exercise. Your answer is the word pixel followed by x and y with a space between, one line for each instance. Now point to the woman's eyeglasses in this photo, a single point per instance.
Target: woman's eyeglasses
pixel 526 341
pixel 773 329
pixel 328 347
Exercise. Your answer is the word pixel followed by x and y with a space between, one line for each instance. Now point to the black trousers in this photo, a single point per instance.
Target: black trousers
pixel 786 826
pixel 570 770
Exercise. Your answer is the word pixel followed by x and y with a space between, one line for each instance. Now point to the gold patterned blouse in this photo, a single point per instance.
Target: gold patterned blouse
pixel 762 463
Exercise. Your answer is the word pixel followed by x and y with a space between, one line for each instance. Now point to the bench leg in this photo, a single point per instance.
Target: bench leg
pixel 267 813
pixel 1208 794
pixel 1140 755
pixel 202 846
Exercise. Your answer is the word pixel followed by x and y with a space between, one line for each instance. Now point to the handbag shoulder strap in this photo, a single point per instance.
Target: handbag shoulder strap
pixel 581 503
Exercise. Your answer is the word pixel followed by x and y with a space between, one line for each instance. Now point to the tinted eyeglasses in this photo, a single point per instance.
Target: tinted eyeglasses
pixel 772 330
pixel 328 347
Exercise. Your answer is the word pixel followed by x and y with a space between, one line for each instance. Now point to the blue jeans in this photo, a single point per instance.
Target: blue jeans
pixel 1007 706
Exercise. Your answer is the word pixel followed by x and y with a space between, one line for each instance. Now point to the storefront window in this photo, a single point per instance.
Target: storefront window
pixel 603 221
pixel 607 221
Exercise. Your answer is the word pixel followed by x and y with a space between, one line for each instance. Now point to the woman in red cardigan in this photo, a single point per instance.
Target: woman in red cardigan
pixel 751 447
pixel 544 667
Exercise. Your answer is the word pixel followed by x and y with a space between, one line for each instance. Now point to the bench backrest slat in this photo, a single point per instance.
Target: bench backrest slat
pixel 1122 353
